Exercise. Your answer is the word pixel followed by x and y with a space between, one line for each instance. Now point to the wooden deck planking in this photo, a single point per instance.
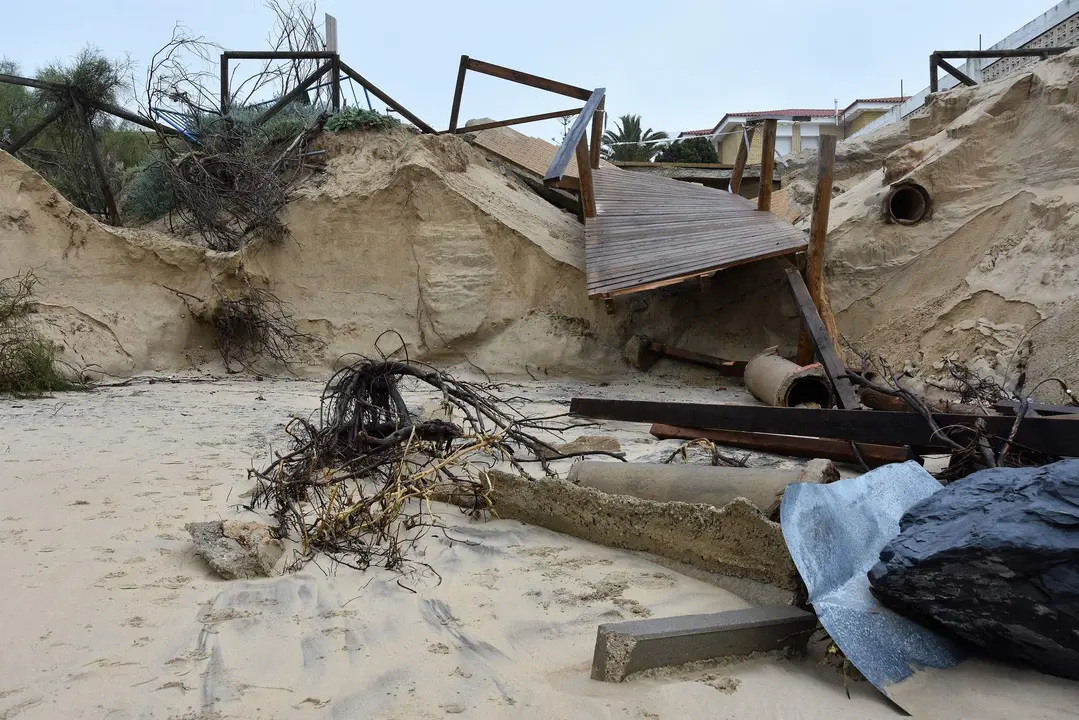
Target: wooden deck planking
pixel 651 231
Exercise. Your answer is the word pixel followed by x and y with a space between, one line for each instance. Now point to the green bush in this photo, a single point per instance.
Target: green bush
pixel 148 194
pixel 354 118
pixel 28 366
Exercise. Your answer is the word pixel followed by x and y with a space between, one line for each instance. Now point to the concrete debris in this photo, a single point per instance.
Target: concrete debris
pixel 236 549
pixel 629 647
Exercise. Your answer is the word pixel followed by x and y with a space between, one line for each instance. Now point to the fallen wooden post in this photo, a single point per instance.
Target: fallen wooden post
pixel 791 445
pixel 829 358
pixel 629 647
pixel 1010 406
pixel 1053 436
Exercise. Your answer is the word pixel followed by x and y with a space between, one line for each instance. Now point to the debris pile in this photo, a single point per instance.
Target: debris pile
pixel 356 485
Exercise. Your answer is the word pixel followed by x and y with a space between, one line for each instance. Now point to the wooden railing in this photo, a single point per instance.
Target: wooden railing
pixel 576 140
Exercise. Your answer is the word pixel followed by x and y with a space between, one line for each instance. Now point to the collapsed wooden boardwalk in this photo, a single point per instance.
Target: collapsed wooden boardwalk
pixel 651 231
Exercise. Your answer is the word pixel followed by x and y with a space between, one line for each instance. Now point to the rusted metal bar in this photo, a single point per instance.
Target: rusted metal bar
pixel 584 172
pixel 818 230
pixel 515 121
pixel 95 158
pixel 289 97
pixel 792 445
pixel 727 368
pixel 956 72
pixel 1056 436
pixel 19 142
pixel 768 164
pixel 455 110
pixel 827 350
pixel 524 78
pixel 374 90
pixel 934 77
pixel 577 131
pixel 741 159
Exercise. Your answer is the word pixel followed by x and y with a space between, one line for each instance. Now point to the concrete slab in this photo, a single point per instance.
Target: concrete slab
pixel 628 647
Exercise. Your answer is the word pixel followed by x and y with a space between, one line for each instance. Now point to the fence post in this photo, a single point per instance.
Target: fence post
pixel 584 172
pixel 818 230
pixel 224 84
pixel 742 157
pixel 768 164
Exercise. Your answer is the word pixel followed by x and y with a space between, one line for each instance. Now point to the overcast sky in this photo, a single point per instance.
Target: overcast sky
pixel 680 65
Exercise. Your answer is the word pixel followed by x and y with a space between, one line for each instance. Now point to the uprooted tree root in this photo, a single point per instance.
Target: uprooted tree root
pixel 357 484
pixel 28 365
pixel 257 327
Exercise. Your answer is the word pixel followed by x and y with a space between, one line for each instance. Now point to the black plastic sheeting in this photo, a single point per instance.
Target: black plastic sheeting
pixel 835 534
pixel 994 559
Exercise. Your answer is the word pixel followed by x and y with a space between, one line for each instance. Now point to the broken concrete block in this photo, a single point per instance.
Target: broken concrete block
pixel 236 549
pixel 629 647
pixel 590 443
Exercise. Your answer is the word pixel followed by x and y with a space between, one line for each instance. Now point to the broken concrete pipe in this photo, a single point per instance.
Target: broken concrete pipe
pixel 780 383
pixel 907 204
pixel 703 484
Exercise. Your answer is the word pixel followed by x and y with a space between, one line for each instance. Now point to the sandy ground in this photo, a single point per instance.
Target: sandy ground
pixel 109 614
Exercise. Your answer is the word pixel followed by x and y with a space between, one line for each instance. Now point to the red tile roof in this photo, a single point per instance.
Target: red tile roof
pixel 827 112
pixel 889 100
pixel 694 133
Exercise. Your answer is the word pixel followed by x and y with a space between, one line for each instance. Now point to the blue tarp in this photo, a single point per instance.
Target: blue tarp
pixel 835 533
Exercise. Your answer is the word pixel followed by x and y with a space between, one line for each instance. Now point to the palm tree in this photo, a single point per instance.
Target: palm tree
pixel 629 143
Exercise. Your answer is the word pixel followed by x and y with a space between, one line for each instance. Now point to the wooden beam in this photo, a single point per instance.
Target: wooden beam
pixel 458 90
pixel 1053 436
pixel 584 172
pixel 956 73
pixel 742 157
pixel 826 349
pixel 95 158
pixel 1010 407
pixel 335 82
pixel 934 79
pixel 225 100
pixel 31 82
pixel 768 164
pixel 528 79
pixel 597 133
pixel 294 93
pixel 387 99
pixel 17 143
pixel 132 118
pixel 807 447
pixel 818 229
pixel 992 54
pixel 577 131
pixel 515 121
pixel 279 54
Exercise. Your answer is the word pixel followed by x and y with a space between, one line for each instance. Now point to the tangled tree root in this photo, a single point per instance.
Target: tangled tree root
pixel 257 327
pixel 357 484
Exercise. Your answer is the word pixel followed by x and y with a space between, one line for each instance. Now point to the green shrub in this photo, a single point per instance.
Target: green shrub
pixel 28 366
pixel 354 118
pixel 148 194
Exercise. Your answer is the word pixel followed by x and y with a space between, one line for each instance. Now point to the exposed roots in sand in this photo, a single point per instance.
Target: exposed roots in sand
pixel 357 484
pixel 257 327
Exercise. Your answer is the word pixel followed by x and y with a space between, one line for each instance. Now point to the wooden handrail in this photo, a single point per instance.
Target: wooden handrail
pixel 524 78
pixel 514 121
pixel 576 133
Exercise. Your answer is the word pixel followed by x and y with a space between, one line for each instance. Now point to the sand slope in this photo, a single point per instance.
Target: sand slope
pixel 108 613
pixel 1001 251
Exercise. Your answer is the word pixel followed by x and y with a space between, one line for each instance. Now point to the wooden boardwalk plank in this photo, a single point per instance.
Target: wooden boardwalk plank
pixel 651 231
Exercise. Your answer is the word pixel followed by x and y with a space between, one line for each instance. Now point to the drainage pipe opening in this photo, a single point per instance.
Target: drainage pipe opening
pixel 809 390
pixel 907 204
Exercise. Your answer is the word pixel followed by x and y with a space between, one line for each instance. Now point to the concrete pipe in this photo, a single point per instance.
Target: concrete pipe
pixel 907 204
pixel 781 383
pixel 701 484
